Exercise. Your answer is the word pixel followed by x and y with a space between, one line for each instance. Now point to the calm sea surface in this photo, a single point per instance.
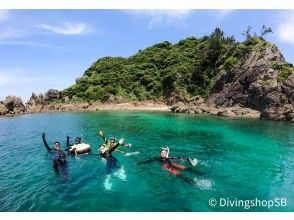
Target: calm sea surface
pixel 239 159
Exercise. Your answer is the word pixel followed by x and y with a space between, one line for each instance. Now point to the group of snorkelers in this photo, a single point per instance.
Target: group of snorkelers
pixel 59 158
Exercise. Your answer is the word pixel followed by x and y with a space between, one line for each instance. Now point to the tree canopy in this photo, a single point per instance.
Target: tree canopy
pixel 188 68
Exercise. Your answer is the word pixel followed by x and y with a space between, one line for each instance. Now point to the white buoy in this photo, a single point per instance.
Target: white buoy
pixel 81 148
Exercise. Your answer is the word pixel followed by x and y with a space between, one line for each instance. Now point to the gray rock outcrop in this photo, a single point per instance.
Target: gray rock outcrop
pixel 12 105
pixel 255 84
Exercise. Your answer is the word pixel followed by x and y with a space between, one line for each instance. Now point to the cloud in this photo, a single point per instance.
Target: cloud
pixel 19 77
pixel 9 32
pixel 4 15
pixel 13 31
pixel 5 79
pixel 21 82
pixel 286 28
pixel 28 43
pixel 163 17
pixel 175 17
pixel 18 26
pixel 67 28
pixel 11 76
pixel 223 13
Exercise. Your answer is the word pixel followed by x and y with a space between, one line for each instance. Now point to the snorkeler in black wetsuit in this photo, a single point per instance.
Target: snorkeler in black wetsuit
pixel 110 145
pixel 167 163
pixel 69 146
pixel 58 157
pixel 106 150
pixel 111 161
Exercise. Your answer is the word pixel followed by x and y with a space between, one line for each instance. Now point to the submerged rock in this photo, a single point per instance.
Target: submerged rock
pixel 179 107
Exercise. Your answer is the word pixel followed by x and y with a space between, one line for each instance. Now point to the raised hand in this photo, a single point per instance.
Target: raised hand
pixel 121 141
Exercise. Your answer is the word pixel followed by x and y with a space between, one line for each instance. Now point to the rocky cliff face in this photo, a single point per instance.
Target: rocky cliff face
pixel 35 103
pixel 262 81
pixel 198 105
pixel 39 103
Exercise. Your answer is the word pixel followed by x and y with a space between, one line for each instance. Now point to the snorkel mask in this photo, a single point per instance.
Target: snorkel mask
pixel 78 140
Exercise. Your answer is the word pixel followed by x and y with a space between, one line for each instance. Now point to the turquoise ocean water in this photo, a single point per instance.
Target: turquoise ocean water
pixel 239 160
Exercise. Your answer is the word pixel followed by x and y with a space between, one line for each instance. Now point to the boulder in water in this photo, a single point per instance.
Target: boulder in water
pixel 12 105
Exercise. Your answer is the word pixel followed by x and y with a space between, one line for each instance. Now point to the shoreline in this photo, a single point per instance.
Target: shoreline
pixel 138 107
pixel 92 107
pixel 196 106
pixel 127 106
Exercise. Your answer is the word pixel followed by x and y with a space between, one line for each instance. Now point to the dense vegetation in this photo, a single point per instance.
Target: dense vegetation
pixel 186 68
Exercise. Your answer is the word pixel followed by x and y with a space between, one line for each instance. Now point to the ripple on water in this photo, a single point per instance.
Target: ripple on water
pixel 204 184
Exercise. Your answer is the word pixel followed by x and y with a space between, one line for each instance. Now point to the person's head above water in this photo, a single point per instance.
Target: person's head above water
pixel 78 140
pixel 112 140
pixel 164 152
pixel 56 145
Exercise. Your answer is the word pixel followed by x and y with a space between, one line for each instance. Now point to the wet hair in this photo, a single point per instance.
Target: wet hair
pixel 112 140
pixel 57 143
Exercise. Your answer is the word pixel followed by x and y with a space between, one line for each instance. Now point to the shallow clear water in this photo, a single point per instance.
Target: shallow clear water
pixel 238 159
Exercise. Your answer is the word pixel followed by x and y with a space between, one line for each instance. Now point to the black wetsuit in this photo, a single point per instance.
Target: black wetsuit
pixel 111 164
pixel 111 161
pixel 58 157
pixel 168 162
pixel 68 146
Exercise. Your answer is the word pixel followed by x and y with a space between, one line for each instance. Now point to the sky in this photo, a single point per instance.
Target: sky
pixel 44 49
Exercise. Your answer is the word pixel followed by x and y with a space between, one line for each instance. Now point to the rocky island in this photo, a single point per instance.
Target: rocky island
pixel 213 75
